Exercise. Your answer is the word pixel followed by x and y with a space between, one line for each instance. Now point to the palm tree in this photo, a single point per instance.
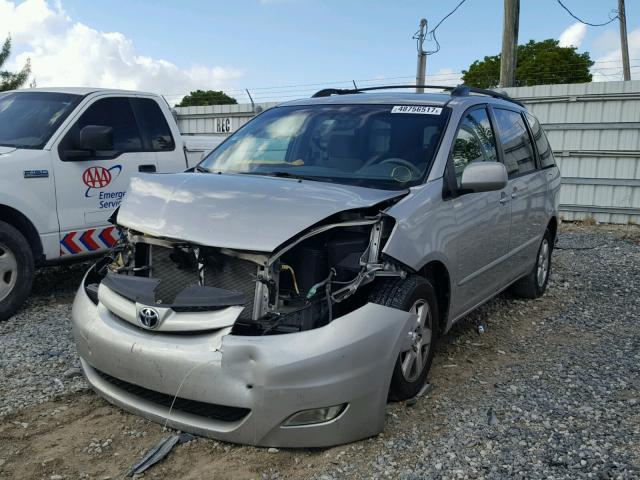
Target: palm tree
pixel 9 80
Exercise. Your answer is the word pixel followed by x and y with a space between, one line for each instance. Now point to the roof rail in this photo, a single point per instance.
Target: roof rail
pixel 464 90
pixel 458 91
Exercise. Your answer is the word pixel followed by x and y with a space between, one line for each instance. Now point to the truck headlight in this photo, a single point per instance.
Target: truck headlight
pixel 314 415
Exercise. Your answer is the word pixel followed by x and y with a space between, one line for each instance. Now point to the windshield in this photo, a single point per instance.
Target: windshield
pixel 28 119
pixel 377 146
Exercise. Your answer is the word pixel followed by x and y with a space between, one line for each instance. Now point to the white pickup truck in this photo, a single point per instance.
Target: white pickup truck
pixel 66 158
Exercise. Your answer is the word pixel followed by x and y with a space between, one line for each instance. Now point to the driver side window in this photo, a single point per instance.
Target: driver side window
pixel 113 112
pixel 475 142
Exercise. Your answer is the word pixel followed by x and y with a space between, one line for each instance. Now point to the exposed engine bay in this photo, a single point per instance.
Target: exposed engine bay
pixel 315 277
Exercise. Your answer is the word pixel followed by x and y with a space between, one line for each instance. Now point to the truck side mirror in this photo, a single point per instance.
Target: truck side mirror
pixel 96 138
pixel 91 139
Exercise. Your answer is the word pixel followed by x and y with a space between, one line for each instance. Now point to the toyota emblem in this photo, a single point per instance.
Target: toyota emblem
pixel 148 317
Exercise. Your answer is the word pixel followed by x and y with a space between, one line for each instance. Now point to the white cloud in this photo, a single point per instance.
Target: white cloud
pixel 573 36
pixel 608 56
pixel 68 53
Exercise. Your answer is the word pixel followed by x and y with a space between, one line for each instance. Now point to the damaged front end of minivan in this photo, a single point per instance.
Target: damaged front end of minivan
pixel 303 285
pixel 273 348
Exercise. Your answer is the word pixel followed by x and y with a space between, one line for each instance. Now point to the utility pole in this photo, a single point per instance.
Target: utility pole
pixel 623 40
pixel 509 43
pixel 422 56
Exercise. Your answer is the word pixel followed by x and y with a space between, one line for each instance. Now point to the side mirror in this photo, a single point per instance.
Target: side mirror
pixel 484 177
pixel 96 138
pixel 91 139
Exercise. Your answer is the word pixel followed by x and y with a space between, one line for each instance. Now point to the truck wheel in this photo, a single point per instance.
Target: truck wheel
pixel 16 270
pixel 535 283
pixel 416 295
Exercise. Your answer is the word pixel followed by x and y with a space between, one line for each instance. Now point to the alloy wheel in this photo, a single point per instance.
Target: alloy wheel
pixel 414 360
pixel 8 271
pixel 543 263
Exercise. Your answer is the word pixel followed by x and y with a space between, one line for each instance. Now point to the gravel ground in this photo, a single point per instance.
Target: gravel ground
pixel 551 390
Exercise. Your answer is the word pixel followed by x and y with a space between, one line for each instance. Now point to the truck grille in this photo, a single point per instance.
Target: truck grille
pixel 225 272
pixel 202 409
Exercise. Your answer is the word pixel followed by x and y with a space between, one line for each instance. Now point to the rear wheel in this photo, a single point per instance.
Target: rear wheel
pixel 16 270
pixel 416 295
pixel 535 283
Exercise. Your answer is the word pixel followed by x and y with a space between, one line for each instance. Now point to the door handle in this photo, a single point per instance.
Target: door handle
pixel 503 198
pixel 147 168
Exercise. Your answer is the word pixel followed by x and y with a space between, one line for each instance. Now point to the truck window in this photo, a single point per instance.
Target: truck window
pixel 516 143
pixel 110 112
pixel 153 125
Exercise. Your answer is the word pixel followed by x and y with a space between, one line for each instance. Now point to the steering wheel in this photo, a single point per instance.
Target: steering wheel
pixel 405 163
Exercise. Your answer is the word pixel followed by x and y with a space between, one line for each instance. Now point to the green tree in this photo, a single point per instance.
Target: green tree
pixel 208 97
pixel 537 63
pixel 9 80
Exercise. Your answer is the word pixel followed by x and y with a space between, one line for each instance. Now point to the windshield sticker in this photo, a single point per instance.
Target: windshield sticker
pixel 420 109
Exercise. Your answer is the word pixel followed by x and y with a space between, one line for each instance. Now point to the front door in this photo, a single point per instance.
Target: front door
pixel 527 189
pixel 483 219
pixel 89 187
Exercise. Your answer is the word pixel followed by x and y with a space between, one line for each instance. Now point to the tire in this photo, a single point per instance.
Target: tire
pixel 16 270
pixel 534 284
pixel 416 294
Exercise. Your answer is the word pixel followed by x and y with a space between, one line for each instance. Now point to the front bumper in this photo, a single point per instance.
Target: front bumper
pixel 349 361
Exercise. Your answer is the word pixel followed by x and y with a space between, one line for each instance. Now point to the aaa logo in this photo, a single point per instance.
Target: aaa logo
pixel 96 177
pixel 99 177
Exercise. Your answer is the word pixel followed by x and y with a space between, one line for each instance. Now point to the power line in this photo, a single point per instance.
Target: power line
pixel 432 32
pixel 587 23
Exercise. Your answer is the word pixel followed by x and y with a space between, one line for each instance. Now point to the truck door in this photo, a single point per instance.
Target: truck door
pixel 91 182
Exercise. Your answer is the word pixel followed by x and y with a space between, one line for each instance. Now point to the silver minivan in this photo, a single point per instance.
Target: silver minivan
pixel 281 292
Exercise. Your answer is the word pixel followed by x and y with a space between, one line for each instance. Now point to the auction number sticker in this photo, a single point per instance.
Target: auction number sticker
pixel 420 109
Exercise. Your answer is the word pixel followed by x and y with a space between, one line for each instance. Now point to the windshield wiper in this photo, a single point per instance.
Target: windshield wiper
pixel 282 174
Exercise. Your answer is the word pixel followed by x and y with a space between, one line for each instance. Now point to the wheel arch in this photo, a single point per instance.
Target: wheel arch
pixel 437 274
pixel 21 223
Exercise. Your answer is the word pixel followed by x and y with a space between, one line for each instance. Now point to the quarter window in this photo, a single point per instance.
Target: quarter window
pixel 544 149
pixel 475 142
pixel 516 143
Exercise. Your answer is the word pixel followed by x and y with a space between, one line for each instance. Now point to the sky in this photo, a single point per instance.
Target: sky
pixel 283 49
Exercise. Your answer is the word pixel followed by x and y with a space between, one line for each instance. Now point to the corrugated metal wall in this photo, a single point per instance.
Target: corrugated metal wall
pixel 593 128
pixel 217 120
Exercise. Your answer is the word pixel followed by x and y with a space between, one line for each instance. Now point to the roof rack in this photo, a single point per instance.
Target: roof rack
pixel 458 91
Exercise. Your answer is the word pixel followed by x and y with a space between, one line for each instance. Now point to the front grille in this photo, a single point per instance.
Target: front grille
pixel 220 271
pixel 208 410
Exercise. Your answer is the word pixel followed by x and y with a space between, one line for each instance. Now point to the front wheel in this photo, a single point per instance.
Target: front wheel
pixel 16 270
pixel 416 295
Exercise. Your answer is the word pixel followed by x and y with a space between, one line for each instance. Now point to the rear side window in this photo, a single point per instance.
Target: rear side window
pixel 474 142
pixel 153 125
pixel 544 149
pixel 516 143
pixel 110 112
